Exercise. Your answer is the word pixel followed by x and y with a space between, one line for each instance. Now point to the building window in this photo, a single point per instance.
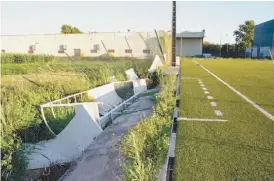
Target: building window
pixel 111 51
pixel 128 51
pixel 3 51
pixel 77 52
pixel 63 47
pixel 146 51
pixel 93 51
pixel 32 47
pixel 96 47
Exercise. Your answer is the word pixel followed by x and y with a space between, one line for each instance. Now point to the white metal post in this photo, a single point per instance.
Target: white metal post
pixel 181 47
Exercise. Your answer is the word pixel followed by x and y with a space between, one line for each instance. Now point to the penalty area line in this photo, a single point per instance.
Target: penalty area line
pixel 201 119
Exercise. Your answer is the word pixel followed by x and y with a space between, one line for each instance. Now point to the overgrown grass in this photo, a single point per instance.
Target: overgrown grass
pixel 27 85
pixel 23 58
pixel 239 149
pixel 145 147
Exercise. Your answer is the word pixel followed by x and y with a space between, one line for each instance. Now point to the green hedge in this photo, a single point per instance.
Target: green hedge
pixel 24 58
pixel 145 147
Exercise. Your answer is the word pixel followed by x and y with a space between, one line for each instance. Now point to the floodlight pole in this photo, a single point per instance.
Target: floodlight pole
pixel 221 44
pixel 173 33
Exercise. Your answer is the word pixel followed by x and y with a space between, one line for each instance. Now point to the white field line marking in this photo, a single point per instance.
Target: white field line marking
pixel 267 114
pixel 204 88
pixel 209 97
pixel 206 92
pixel 202 85
pixel 218 113
pixel 200 119
pixel 214 104
pixel 191 78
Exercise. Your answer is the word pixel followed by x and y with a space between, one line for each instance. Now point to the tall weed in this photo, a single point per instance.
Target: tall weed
pixel 21 120
pixel 146 145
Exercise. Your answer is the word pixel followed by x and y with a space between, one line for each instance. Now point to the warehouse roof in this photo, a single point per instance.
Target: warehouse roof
pixel 188 34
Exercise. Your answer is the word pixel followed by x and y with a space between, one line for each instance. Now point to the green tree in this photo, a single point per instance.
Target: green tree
pixel 68 29
pixel 245 34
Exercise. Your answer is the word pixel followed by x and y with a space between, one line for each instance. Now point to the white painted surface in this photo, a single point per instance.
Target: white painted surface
pixel 209 97
pixel 50 43
pixel 218 113
pixel 178 59
pixel 131 74
pixel 70 143
pixel 107 95
pixel 188 34
pixel 139 86
pixel 204 88
pixel 200 119
pixel 189 46
pixel 206 92
pixel 214 104
pixel 157 63
pixel 202 85
pixel 191 78
pixel 171 151
pixel 267 114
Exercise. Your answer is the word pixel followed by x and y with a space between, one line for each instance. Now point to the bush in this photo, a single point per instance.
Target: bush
pixel 24 58
pixel 146 145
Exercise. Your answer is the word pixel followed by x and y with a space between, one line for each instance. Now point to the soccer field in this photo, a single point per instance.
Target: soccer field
pixel 241 145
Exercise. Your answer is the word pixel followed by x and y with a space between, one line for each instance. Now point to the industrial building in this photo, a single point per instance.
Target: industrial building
pixel 189 43
pixel 119 44
pixel 263 42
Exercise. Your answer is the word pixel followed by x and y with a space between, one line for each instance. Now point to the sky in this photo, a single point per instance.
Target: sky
pixel 219 19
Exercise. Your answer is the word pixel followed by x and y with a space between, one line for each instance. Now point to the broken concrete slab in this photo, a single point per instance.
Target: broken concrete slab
pixel 102 159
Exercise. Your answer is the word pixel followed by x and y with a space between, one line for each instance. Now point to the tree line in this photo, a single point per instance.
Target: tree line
pixel 68 29
pixel 244 37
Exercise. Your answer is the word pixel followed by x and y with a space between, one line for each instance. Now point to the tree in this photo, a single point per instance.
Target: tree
pixel 227 50
pixel 245 34
pixel 68 29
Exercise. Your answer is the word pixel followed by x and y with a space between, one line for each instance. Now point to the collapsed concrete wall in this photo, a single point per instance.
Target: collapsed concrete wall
pixel 85 126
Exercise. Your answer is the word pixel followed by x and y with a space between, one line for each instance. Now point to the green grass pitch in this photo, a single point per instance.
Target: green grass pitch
pixel 242 148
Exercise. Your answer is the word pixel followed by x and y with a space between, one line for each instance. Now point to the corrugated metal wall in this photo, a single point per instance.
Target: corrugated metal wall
pixel 263 35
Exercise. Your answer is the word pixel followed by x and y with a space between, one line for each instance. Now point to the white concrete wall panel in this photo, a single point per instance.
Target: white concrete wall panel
pixel 49 44
pixel 107 95
pixel 70 143
pixel 189 47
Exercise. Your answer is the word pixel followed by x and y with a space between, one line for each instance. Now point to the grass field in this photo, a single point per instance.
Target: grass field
pixel 240 148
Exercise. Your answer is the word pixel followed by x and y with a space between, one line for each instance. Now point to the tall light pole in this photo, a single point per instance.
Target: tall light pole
pixel 173 57
pixel 227 45
pixel 220 44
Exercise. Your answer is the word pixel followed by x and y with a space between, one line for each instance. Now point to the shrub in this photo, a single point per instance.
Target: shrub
pixel 24 58
pixel 146 145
